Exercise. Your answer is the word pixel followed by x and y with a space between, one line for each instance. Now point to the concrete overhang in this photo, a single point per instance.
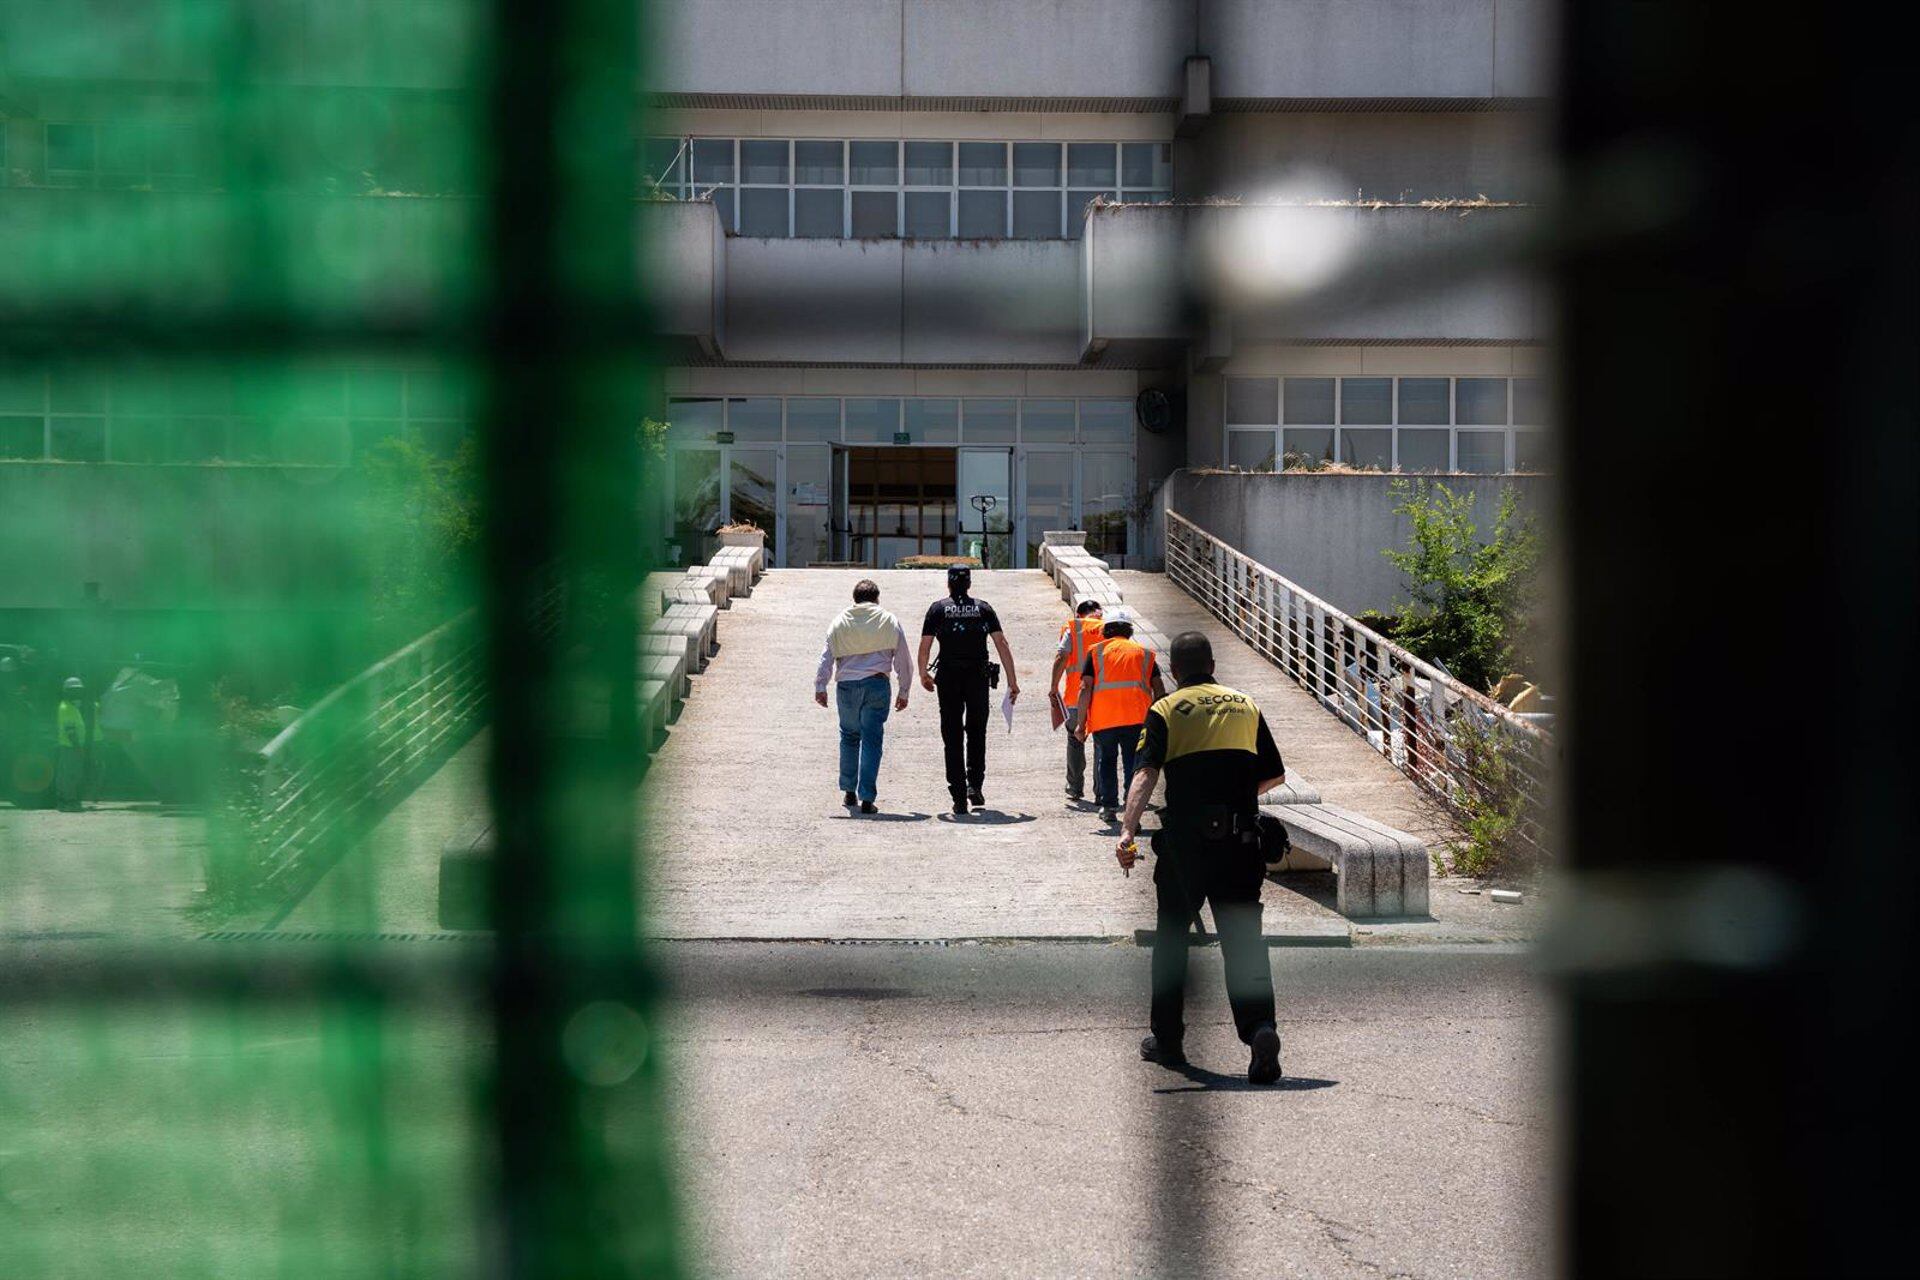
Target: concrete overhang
pixel 1158 277
pixel 683 274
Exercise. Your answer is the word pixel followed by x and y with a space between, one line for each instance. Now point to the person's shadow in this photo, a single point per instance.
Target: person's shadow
pixel 985 818
pixel 849 815
pixel 1205 1081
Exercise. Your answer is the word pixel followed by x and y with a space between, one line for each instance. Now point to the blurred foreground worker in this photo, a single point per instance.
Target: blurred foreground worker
pixel 70 736
pixel 1219 758
pixel 962 676
pixel 864 643
pixel 1077 634
pixel 1118 682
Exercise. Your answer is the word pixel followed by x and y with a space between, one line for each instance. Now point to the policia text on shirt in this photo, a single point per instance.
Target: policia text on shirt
pixel 1219 758
pixel 962 625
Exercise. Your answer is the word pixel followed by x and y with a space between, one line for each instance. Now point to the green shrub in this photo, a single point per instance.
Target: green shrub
pixel 1468 597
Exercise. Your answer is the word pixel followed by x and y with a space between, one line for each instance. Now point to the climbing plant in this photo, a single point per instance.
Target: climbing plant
pixel 1468 595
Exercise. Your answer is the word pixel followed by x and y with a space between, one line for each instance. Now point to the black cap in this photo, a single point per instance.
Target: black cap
pixel 959 573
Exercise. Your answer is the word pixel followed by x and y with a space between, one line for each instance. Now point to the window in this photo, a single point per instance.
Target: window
pixel 813 419
pixel 1106 421
pixel 933 421
pixel 1483 452
pixel 1424 450
pixel 1251 450
pixel 1307 446
pixel 1529 402
pixel 1423 424
pixel 872 421
pixel 1308 400
pixel 1367 449
pixel 72 155
pixel 1046 421
pixel 755 419
pixel 989 421
pixel 1366 401
pixel 1480 402
pixel 1253 400
pixel 1424 401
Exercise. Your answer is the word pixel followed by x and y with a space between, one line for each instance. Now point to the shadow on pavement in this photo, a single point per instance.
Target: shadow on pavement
pixel 879 817
pixel 986 818
pixel 1205 1081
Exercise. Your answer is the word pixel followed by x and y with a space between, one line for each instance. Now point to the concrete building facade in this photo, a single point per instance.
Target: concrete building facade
pixel 939 276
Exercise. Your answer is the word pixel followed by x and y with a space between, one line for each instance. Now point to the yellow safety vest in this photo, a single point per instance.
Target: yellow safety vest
pixel 1208 717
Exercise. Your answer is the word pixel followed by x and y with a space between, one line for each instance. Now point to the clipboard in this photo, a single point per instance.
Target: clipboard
pixel 1056 710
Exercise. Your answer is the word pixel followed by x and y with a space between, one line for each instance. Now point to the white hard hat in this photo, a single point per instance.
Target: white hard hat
pixel 74 683
pixel 1117 614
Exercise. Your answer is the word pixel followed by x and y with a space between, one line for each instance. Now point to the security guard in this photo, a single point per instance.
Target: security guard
pixel 1219 758
pixel 962 624
pixel 1077 635
pixel 71 736
pixel 1118 682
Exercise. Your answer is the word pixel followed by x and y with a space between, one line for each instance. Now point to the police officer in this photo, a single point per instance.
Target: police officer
pixel 962 624
pixel 1077 635
pixel 1219 758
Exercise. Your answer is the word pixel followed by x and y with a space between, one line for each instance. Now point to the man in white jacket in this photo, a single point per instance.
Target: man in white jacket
pixel 864 643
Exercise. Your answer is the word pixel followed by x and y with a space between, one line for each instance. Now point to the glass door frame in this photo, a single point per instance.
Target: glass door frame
pixel 776 536
pixel 1022 534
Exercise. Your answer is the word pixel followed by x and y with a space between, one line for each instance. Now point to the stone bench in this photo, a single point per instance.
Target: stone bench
pixel 698 624
pixel 1378 871
pixel 685 647
pixel 1295 790
pixel 668 668
pixel 714 580
pixel 687 592
pixel 654 703
pixel 755 555
pixel 737 569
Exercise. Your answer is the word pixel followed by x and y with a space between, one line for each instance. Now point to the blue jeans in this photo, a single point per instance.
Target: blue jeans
pixel 1110 747
pixel 863 729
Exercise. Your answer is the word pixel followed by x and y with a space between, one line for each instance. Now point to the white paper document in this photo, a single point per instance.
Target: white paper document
pixel 1006 709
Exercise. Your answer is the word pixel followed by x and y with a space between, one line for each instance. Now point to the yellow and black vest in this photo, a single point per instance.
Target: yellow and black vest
pixel 1209 717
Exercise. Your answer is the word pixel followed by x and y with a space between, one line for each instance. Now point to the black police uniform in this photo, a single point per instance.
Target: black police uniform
pixel 962 624
pixel 1215 749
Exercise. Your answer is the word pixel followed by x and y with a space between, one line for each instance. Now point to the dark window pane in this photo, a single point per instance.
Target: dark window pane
pixel 930 214
pixel 813 419
pixel 194 439
pixel 712 160
pixel 141 440
pixel 663 163
pixel 819 163
pixel 876 164
pixel 1530 401
pixel 1370 448
pixel 1253 400
pixel 1484 452
pixel 872 420
pixel 762 160
pixel 723 206
pixel 1036 215
pixel 1530 451
pixel 933 421
pixel 1146 164
pixel 1090 164
pixel 929 164
pixel 817 213
pixel 1307 445
pixel 1106 421
pixel 79 439
pixel 1036 164
pixel 876 213
pixel 70 147
pixel 693 419
pixel 989 421
pixel 1309 399
pixel 983 214
pixel 1250 450
pixel 983 164
pixel 1423 400
pixel 754 419
pixel 1366 400
pixel 763 211
pixel 22 437
pixel 1077 202
pixel 1046 421
pixel 1423 450
pixel 1480 402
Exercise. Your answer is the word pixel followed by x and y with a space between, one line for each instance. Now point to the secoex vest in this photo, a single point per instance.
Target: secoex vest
pixel 1122 684
pixel 1086 633
pixel 1209 717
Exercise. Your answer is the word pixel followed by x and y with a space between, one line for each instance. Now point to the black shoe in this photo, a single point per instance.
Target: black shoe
pixel 960 806
pixel 868 806
pixel 849 799
pixel 1109 816
pixel 973 795
pixel 1265 1066
pixel 1076 795
pixel 1171 1056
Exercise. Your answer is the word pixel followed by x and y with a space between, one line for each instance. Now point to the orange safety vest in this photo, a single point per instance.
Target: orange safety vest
pixel 1086 632
pixel 1122 685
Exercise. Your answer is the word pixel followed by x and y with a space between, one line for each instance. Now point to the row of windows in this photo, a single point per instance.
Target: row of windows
pixel 879 420
pixel 319 417
pixel 1434 449
pixel 866 188
pixel 1474 402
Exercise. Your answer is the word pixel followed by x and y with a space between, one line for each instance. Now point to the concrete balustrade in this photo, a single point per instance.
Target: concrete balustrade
pixel 1378 871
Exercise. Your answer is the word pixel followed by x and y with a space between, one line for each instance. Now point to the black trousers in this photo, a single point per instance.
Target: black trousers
pixel 1225 874
pixel 963 726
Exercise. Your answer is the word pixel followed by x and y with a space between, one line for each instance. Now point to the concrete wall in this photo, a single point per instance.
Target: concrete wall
pixel 684 271
pixel 1463 49
pixel 1326 532
pixel 1504 155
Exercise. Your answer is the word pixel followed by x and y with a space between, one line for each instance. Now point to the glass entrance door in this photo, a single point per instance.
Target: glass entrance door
pixel 986 506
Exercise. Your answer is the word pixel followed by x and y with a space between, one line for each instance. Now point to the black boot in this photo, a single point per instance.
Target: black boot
pixel 1264 1068
pixel 1170 1056
pixel 849 799
pixel 973 795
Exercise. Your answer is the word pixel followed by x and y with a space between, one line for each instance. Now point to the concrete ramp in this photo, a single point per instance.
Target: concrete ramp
pixel 749 839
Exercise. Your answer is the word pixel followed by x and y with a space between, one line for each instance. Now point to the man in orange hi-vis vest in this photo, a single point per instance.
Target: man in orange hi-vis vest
pixel 1118 682
pixel 1077 635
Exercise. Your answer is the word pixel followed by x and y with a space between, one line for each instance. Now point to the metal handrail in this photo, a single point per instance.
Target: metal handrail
pixel 324 779
pixel 1406 708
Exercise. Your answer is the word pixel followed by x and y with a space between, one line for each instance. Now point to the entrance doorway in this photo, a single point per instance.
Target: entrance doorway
pixel 899 501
